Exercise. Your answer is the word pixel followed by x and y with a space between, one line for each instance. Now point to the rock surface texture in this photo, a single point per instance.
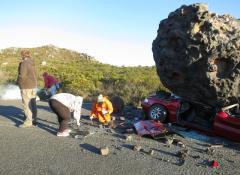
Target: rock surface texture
pixel 197 55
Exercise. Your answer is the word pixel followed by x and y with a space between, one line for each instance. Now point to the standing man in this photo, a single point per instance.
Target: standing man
pixel 27 82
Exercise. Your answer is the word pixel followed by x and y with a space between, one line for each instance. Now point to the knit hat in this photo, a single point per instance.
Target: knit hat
pixel 100 98
pixel 25 53
pixel 45 74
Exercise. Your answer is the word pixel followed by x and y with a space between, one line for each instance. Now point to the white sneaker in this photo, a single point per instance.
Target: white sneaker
pixel 63 134
pixel 68 130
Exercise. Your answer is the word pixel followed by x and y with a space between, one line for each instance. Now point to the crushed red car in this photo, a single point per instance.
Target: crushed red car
pixel 167 107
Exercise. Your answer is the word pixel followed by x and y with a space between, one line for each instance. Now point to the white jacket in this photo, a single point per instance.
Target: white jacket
pixel 72 102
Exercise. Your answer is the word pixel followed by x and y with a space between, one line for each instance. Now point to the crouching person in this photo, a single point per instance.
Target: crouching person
pixel 63 105
pixel 101 109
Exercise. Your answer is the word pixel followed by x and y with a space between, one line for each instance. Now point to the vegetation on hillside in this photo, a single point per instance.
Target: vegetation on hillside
pixel 83 75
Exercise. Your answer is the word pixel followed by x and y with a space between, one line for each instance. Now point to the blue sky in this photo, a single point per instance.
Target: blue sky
pixel 118 32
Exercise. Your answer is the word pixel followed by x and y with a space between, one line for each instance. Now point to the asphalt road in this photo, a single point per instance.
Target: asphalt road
pixel 37 150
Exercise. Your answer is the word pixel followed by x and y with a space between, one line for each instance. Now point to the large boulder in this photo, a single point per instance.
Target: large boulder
pixel 197 55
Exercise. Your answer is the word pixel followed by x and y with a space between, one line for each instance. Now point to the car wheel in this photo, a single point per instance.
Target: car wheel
pixel 157 112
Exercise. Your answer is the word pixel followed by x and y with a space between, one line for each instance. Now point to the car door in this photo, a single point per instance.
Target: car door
pixel 227 126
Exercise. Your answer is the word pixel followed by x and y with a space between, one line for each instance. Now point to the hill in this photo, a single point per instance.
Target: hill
pixel 82 74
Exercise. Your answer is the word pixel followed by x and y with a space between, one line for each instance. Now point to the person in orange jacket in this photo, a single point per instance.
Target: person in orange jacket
pixel 101 109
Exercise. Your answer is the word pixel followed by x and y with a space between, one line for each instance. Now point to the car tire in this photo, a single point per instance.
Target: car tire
pixel 157 112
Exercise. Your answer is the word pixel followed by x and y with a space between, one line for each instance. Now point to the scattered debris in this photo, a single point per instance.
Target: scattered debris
pixel 137 148
pixel 130 130
pixel 109 130
pixel 181 162
pixel 104 151
pixel 175 141
pixel 151 152
pixel 210 151
pixel 128 137
pixel 78 137
pixel 231 161
pixel 215 164
pixel 86 133
pixel 164 160
pixel 216 146
pixel 196 157
pixel 168 141
pixel 181 144
pixel 119 148
pixel 150 127
pixel 182 154
pixel 82 134
pixel 122 119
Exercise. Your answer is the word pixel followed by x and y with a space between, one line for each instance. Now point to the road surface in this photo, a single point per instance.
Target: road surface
pixel 38 151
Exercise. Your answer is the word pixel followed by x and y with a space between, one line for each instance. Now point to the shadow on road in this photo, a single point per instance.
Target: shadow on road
pixel 16 115
pixel 47 128
pixel 12 113
pixel 47 108
pixel 164 152
pixel 128 146
pixel 90 148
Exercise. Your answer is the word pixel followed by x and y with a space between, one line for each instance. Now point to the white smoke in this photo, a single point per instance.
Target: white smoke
pixel 9 92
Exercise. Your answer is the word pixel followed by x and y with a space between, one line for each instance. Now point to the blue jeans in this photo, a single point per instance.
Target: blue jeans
pixel 53 89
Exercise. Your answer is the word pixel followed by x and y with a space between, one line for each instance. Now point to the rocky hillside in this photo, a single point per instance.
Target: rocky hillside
pixel 81 74
pixel 45 53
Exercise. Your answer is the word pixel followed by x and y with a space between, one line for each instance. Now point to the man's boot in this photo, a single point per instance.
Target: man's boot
pixel 34 122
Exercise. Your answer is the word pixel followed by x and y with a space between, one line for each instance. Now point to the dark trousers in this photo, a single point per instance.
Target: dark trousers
pixel 62 112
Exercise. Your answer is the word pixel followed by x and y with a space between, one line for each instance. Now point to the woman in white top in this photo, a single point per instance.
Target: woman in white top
pixel 63 104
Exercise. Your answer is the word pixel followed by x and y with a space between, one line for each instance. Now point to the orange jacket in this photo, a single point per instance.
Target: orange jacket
pixel 97 109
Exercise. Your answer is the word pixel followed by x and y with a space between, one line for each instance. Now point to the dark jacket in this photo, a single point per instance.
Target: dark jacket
pixel 27 78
